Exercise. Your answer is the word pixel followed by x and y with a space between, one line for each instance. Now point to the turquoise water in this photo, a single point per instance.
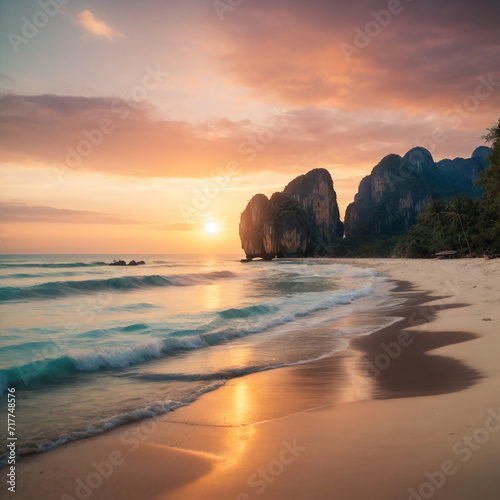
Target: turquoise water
pixel 89 347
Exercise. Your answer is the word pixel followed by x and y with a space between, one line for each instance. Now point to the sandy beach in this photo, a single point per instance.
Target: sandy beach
pixel 410 412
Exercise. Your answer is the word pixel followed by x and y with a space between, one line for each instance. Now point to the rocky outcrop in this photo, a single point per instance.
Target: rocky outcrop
pixel 314 192
pixel 286 229
pixel 251 227
pixel 392 196
pixel 293 223
pixel 123 263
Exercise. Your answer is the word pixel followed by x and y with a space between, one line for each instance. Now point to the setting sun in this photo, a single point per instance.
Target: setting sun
pixel 211 227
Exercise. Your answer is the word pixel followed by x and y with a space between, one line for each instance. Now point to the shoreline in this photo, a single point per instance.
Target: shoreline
pixel 295 420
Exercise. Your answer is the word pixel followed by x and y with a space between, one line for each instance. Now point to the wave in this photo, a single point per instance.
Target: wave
pixel 166 263
pixel 133 307
pixel 44 274
pixel 58 289
pixel 113 332
pixel 116 358
pixel 37 371
pixel 56 265
pixel 113 358
pixel 247 312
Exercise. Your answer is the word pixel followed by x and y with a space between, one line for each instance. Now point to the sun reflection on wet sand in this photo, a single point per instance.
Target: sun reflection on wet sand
pixel 242 407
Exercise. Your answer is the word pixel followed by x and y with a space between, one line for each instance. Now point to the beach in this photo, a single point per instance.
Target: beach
pixel 410 411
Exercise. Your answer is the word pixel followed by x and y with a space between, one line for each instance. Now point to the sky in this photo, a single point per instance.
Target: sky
pixel 146 127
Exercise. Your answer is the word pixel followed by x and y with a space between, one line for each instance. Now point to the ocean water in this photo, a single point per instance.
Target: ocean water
pixel 89 347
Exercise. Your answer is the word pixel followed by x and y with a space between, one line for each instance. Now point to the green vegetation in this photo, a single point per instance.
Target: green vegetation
pixel 464 224
pixel 358 246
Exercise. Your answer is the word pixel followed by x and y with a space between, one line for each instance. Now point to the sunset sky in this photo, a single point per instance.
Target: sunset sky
pixel 127 126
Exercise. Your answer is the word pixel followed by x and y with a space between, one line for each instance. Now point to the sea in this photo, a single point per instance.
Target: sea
pixel 89 347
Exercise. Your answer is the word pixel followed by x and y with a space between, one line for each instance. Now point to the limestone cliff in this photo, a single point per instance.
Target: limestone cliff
pixel 314 192
pixel 304 217
pixel 251 226
pixel 286 229
pixel 392 196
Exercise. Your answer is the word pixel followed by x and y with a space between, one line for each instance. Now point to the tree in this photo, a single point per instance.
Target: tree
pixel 457 210
pixel 490 178
pixel 435 213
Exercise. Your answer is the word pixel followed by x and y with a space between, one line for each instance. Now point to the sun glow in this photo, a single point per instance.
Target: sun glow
pixel 211 227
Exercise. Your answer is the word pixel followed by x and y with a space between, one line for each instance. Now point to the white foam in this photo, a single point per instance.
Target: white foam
pixel 116 357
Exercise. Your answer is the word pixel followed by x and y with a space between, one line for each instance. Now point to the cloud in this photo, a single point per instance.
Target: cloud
pixel 96 26
pixel 6 78
pixel 57 130
pixel 20 212
pixel 428 56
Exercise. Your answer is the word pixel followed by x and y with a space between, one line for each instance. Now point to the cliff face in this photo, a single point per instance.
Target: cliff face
pixel 251 223
pixel 292 223
pixel 314 192
pixel 286 229
pixel 392 196
pixel 304 220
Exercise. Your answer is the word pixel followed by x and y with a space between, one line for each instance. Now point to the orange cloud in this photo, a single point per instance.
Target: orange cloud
pixel 96 26
pixel 21 212
pixel 125 138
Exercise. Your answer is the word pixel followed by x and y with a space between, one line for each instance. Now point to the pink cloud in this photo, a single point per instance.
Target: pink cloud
pixel 97 27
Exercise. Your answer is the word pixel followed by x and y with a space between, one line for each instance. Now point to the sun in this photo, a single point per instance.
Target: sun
pixel 211 227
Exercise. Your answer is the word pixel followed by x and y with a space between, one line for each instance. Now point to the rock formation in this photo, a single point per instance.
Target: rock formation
pixel 293 223
pixel 286 230
pixel 392 196
pixel 303 220
pixel 251 227
pixel 314 192
pixel 123 263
